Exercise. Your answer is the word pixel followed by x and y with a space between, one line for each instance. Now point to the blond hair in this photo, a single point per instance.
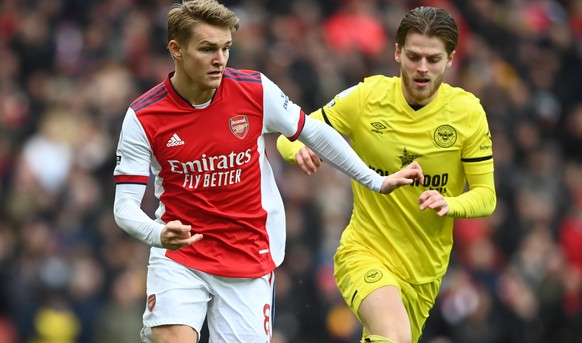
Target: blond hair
pixel 183 16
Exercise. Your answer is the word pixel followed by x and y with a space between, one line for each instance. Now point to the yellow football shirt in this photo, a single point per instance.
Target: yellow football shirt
pixel 449 138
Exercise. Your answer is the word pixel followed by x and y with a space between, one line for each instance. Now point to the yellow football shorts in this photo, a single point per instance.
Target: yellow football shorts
pixel 358 273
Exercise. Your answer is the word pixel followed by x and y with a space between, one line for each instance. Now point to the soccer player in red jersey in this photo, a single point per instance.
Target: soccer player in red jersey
pixel 219 230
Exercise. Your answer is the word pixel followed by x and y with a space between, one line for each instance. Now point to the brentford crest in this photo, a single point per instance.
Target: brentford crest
pixel 239 126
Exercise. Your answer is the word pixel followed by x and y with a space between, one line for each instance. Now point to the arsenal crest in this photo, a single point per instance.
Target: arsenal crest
pixel 239 126
pixel 151 302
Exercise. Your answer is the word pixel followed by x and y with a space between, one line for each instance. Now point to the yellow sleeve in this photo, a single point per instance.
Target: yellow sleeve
pixel 289 149
pixel 479 201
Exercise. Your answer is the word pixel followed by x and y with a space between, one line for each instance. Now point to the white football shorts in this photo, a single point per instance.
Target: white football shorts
pixel 236 309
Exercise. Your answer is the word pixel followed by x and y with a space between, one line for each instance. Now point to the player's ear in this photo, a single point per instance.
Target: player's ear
pixel 397 52
pixel 450 58
pixel 175 49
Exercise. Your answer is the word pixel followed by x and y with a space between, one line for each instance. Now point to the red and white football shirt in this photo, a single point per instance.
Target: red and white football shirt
pixel 211 170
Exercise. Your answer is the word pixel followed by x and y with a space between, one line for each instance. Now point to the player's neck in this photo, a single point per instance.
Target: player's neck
pixel 188 90
pixel 416 107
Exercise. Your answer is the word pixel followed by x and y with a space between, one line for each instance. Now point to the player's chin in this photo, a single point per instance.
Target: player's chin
pixel 213 83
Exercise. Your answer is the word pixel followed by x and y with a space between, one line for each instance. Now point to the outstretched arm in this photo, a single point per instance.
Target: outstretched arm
pixel 324 141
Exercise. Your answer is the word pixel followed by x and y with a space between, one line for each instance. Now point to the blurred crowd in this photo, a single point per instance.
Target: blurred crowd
pixel 70 68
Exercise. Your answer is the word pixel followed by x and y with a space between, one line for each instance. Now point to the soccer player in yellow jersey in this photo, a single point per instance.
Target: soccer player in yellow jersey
pixel 396 248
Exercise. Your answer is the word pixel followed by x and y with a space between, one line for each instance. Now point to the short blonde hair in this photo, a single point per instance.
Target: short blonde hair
pixel 183 16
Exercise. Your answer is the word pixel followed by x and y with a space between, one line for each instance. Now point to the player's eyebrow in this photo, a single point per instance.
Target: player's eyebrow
pixel 411 52
pixel 210 43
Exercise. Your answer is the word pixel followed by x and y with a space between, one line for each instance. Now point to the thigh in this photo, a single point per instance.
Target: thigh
pixel 176 295
pixel 173 334
pixel 420 299
pixel 361 275
pixel 373 293
pixel 383 313
pixel 241 309
pixel 358 274
pixel 409 306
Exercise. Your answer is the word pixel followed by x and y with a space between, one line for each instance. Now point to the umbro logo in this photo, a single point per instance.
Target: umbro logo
pixel 175 141
pixel 378 127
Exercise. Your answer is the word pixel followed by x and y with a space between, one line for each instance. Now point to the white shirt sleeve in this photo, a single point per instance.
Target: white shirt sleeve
pixel 131 218
pixel 133 149
pixel 334 149
pixel 134 157
pixel 280 113
pixel 284 116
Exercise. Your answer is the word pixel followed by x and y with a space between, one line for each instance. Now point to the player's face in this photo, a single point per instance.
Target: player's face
pixel 423 61
pixel 202 60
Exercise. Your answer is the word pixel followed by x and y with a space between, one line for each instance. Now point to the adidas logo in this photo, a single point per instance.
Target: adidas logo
pixel 175 141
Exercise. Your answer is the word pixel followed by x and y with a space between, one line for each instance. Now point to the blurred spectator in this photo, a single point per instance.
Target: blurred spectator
pixel 355 28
